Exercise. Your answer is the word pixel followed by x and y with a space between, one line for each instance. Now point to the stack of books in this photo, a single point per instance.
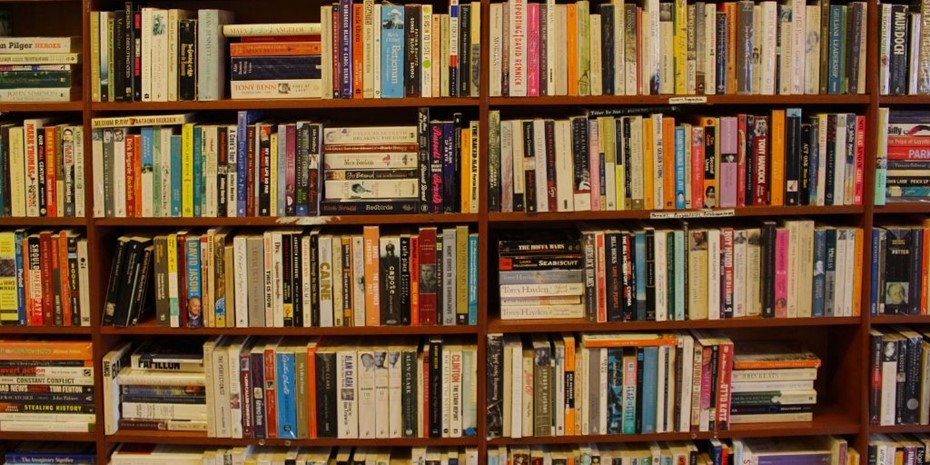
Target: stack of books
pixel 885 447
pixel 51 386
pixel 899 278
pixel 898 370
pixel 39 69
pixel 51 452
pixel 769 393
pixel 652 47
pixel 157 388
pixel 540 277
pixel 275 61
pixel 903 156
pixel 903 69
pixel 132 454
pixel 629 159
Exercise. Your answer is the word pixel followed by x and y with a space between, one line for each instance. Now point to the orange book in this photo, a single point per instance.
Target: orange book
pixel 571 18
pixel 648 202
pixel 371 238
pixel 51 171
pixel 35 349
pixel 730 9
pixel 466 180
pixel 348 318
pixel 311 388
pixel 591 341
pixel 137 172
pixel 358 50
pixel 777 170
pixel 569 363
pixel 668 163
pixel 130 174
pixel 754 355
pixel 65 278
pixel 262 49
pixel 857 272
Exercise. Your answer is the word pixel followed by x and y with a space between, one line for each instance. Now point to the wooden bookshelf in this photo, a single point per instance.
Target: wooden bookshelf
pixel 181 437
pixel 38 107
pixel 268 221
pixel 150 328
pixel 903 208
pixel 717 214
pixel 293 104
pixel 496 325
pixel 685 101
pixel 900 319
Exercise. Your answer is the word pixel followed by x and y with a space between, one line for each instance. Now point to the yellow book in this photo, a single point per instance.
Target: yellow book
pixel 474 167
pixel 584 47
pixel 777 170
pixel 273 166
pixel 95 55
pixel 569 367
pixel 461 275
pixel 857 272
pixel 680 41
pixel 187 170
pixel 606 132
pixel 475 47
pixel 9 308
pixel 465 178
pixel 572 33
pixel 648 202
pixel 730 11
pixel 173 303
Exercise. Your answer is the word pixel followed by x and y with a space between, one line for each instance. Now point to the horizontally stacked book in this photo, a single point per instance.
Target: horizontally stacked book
pixel 295 278
pixel 57 370
pixel 773 382
pixel 629 159
pixel 901 168
pixel 696 271
pixel 170 166
pixel 51 452
pixel 734 47
pixel 132 454
pixel 295 388
pixel 898 370
pixel 39 69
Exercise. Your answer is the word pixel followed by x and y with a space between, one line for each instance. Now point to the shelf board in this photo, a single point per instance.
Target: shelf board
pixel 268 221
pixel 823 424
pixel 62 221
pixel 45 436
pixel 899 319
pixel 40 330
pixel 520 217
pixel 694 99
pixel 40 107
pixel 288 104
pixel 150 328
pixel 904 100
pixel 496 325
pixel 903 207
pixel 201 439
pixel 875 429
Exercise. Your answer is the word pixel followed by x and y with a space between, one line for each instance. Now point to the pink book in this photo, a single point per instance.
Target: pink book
pixel 697 167
pixel 290 186
pixel 594 151
pixel 728 178
pixel 781 272
pixel 532 50
pixel 741 160
pixel 860 159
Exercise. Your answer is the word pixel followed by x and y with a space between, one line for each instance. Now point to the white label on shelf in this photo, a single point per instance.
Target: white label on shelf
pixel 696 99
pixel 707 213
pixel 307 220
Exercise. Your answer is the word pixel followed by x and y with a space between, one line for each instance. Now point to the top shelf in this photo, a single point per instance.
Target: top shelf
pixel 40 107
pixel 288 104
pixel 683 100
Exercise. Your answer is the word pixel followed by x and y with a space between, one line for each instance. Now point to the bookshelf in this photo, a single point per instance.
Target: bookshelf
pixel 845 339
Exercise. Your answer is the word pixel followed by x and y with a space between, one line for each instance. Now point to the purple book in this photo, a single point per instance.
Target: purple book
pixel 728 165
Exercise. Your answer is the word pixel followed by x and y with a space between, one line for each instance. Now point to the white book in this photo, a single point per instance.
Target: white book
pixel 812 58
pixel 147 53
pixel 805 268
pixel 325 245
pixel 582 377
pixel 507 166
pixel 636 149
pixel 822 159
pixel 596 64
pixel 347 374
pixel 786 51
pixel 657 162
pixel 497 48
pixel 884 50
pixel 889 370
pixel 710 44
pixel 240 269
pixel 166 167
pixel 112 364
pixel 517 157
pixel 602 392
pixel 839 169
pixel 839 301
pixel 31 157
pixel 277 284
pixel 559 377
pixel 395 380
pixel 158 67
pixel 667 54
pixel 426 50
pixel 119 171
pixel 209 376
pixel 367 406
pixel 661 276
pixel 232 191
pixel 445 51
pixel 794 238
pixel 539 152
pixel 913 54
pixel 849 271
pixel 651 47
pixel 661 381
pixel 210 161
pixel 768 50
pixel 516 402
pixel 713 274
pixel 561 59
pixel 211 53
pixel 686 343
pixel 326 55
pixel 799 46
pixel 619 48
pixel 551 37
pixel 376 55
pixel 564 166
pixel 740 273
pixel 455 400
pixel 338 304
pixel 83 281
pixel 18 173
pixel 518 46
pixel 222 413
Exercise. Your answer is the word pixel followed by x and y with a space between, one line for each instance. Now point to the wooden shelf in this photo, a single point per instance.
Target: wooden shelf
pixel 201 439
pixel 899 319
pixel 268 221
pixel 875 429
pixel 903 207
pixel 150 328
pixel 293 104
pixel 496 325
pixel 904 100
pixel 45 436
pixel 63 221
pixel 40 330
pixel 694 99
pixel 40 107
pixel 520 217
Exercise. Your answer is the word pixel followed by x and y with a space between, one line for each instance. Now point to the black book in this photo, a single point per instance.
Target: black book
pixel 119 57
pixel 76 309
pixel 117 265
pixel 5 169
pixel 607 49
pixel 464 84
pixel 423 158
pixel 404 296
pixel 412 78
pixel 916 271
pixel 495 386
pixel 898 271
pixel 768 269
pixel 128 38
pixel 793 154
pixel 347 285
pixel 435 387
pixel 390 281
pixel 628 278
pixel 875 361
pixel 326 413
pixel 640 361
pixel 453 187
pixel 854 17
pixel 141 300
pixel 296 257
pixel 222 171
pixel 314 278
pixel 613 271
pixel 127 279
pixel 494 161
pixel 135 42
pixel 830 175
pixel 804 195
pixel 408 394
pixel 651 275
pixel 187 59
pixel 287 282
pixel 259 425
pixel 589 249
pixel 829 300
pixel 549 190
pixel 897 60
pixel 722 34
pixel 529 167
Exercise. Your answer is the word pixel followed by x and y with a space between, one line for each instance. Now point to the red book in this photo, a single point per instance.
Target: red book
pixel 726 250
pixel 130 177
pixel 532 50
pixel 250 171
pixel 271 401
pixel 427 279
pixel 724 378
pixel 760 148
pixel 48 261
pixel 64 278
pixel 860 160
pixel 290 184
pixel 137 172
pixel 697 167
pixel 310 38
pixel 781 272
pixel 51 171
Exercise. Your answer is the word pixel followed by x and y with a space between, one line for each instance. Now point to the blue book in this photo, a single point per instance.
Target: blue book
pixel 244 119
pixel 820 259
pixel 148 143
pixel 345 49
pixel 287 402
pixel 614 390
pixel 814 170
pixel 257 370
pixel 679 275
pixel 472 279
pixel 876 250
pixel 830 272
pixel 392 51
pixel 20 278
pixel 650 389
pixel 157 166
pixel 837 61
pixel 639 267
pixel 194 296
pixel 680 167
pixel 198 171
pixel 175 175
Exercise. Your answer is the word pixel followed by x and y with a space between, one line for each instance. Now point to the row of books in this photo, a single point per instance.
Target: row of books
pixel 44 278
pixel 885 449
pixel 169 166
pixel 41 168
pixel 47 386
pixel 296 388
pixel 133 454
pixel 903 69
pixel 898 370
pixel 39 69
pixel 899 269
pixel 792 269
pixel 780 451
pixel 622 160
pixel 653 47
pixel 48 452
pixel 902 169
pixel 295 278
pixel 567 385
pixel 381 50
